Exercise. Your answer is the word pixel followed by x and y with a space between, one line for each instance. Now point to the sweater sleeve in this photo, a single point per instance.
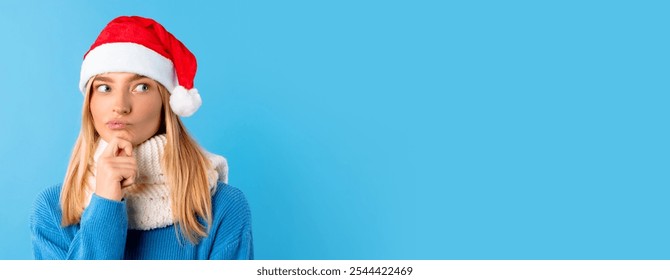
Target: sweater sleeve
pixel 233 238
pixel 101 233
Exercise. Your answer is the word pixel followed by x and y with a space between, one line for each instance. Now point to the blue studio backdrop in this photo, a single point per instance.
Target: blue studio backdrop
pixel 374 129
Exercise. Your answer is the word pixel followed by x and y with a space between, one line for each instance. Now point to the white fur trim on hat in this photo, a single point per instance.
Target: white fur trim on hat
pixel 185 102
pixel 127 57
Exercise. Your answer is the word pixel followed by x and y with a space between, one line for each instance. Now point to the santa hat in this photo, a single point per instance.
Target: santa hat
pixel 143 46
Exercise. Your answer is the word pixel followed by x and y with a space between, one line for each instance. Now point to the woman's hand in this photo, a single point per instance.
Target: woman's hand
pixel 116 169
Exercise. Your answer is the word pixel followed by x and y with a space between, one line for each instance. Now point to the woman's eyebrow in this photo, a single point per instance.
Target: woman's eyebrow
pixel 103 79
pixel 136 77
pixel 110 80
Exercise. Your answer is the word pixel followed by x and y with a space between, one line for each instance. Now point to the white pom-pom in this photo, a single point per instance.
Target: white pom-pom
pixel 185 102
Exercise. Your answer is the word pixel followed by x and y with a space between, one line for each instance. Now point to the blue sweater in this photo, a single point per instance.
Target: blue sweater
pixel 103 231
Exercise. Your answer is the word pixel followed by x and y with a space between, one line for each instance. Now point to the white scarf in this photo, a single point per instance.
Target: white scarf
pixel 148 201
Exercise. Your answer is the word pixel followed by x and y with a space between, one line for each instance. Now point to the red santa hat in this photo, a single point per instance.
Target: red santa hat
pixel 143 46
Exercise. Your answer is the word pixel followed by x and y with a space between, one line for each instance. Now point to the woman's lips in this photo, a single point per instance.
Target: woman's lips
pixel 114 125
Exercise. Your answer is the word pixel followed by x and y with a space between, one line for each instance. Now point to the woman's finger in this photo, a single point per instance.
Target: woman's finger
pixel 121 160
pixel 112 147
pixel 117 145
pixel 128 175
pixel 126 146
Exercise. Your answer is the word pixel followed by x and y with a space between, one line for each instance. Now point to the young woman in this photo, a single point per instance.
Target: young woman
pixel 138 186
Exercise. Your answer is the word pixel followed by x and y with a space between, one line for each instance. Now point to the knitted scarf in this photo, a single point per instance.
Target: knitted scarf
pixel 148 201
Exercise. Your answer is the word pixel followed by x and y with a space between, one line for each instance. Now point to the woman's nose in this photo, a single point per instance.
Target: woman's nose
pixel 122 104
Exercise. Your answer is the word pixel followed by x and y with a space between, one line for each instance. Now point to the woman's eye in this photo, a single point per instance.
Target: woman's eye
pixel 142 87
pixel 103 88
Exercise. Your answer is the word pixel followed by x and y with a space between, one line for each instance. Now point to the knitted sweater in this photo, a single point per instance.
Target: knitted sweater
pixel 103 231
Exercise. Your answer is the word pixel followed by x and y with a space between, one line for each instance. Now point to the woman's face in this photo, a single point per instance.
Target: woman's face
pixel 125 105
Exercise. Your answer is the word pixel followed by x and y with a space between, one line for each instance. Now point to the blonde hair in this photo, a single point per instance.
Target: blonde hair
pixel 184 165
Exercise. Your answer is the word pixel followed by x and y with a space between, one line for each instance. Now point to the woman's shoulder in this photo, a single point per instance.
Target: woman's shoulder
pixel 230 201
pixel 50 195
pixel 46 204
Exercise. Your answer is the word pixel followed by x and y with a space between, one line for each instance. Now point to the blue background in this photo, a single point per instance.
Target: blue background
pixel 386 129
